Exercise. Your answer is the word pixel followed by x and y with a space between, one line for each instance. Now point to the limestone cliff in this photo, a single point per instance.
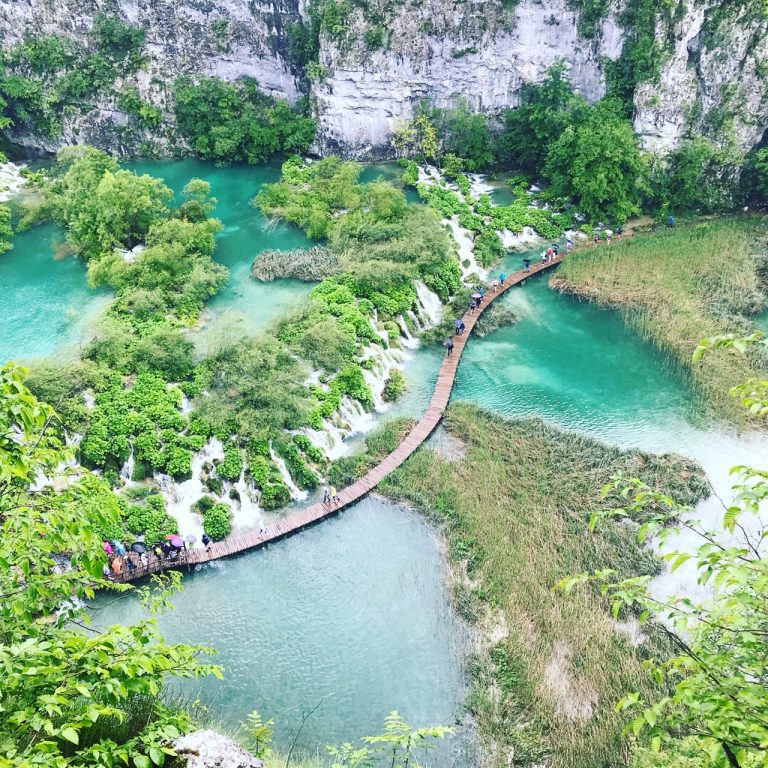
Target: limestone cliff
pixel 381 57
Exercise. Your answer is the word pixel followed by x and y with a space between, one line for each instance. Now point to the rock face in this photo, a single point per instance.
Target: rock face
pixel 381 58
pixel 715 81
pixel 446 49
pixel 209 749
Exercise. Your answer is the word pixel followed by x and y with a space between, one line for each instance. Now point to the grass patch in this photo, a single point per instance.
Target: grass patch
pixel 495 317
pixel 678 286
pixel 515 512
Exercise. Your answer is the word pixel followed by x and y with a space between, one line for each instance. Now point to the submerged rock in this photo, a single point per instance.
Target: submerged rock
pixel 209 749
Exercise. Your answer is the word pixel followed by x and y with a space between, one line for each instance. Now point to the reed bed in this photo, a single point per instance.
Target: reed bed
pixel 678 286
pixel 515 511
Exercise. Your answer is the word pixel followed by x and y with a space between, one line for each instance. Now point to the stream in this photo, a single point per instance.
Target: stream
pixel 355 612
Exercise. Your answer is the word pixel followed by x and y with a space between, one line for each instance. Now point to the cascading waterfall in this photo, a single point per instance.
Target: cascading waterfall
pixel 126 472
pixel 431 306
pixel 296 493
pixel 408 340
pixel 246 512
pixel 179 497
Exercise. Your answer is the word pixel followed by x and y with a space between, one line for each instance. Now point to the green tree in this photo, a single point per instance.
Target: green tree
pixel 546 109
pixel 597 163
pixel 70 695
pixel 701 177
pixel 6 230
pixel 714 683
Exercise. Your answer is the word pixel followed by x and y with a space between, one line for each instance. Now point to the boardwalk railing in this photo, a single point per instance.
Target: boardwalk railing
pixel 302 518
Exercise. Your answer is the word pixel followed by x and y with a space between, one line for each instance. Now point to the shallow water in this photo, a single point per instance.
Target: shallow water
pixel 243 305
pixel 45 303
pixel 353 615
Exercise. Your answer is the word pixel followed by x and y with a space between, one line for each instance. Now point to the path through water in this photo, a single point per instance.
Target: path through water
pixel 353 615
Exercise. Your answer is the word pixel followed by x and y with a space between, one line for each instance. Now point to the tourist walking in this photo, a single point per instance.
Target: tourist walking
pixel 459 327
pixel 495 285
pixel 619 232
pixel 449 345
pixel 326 495
pixel 334 496
pixel 502 278
pixel 569 245
pixel 207 542
pixel 527 263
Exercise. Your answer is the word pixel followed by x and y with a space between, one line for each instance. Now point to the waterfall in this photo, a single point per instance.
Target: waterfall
pixel 179 497
pixel 246 512
pixel 186 406
pixel 416 321
pixel 384 361
pixel 126 473
pixel 466 250
pixel 407 340
pixel 89 399
pixel 296 493
pixel 431 306
pixel 478 185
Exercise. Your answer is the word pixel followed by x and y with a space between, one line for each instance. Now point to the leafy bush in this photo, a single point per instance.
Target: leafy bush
pixel 701 177
pixel 231 122
pixel 231 466
pixel 394 386
pixel 217 521
pixel 150 519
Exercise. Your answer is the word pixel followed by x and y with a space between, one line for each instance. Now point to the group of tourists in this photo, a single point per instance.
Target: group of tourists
pixel 139 555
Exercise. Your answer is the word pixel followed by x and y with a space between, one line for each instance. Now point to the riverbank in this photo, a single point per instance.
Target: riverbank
pixel 514 500
pixel 678 286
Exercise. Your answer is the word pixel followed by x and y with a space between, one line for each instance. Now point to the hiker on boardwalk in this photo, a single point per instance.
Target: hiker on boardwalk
pixel 569 245
pixel 326 496
pixel 459 327
pixel 334 496
pixel 207 542
pixel 619 232
pixel 502 278
pixel 527 263
pixel 448 344
pixel 495 285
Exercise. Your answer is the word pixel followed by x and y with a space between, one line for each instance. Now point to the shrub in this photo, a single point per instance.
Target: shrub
pixel 394 386
pixel 217 522
pixel 231 466
pixel 203 505
pixel 150 520
pixel 231 122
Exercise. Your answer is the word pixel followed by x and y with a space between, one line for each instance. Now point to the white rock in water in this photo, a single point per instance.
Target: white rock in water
pixel 209 749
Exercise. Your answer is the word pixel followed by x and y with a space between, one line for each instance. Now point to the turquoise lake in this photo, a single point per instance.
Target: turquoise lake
pixel 355 613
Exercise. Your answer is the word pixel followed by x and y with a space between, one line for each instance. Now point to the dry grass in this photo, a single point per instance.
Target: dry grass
pixel 678 286
pixel 515 512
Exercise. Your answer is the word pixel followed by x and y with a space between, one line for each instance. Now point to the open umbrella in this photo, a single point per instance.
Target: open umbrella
pixel 191 538
pixel 171 536
pixel 139 547
pixel 448 343
pixel 177 541
pixel 477 295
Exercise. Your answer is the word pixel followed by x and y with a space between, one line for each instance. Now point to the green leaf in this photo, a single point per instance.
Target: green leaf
pixel 71 735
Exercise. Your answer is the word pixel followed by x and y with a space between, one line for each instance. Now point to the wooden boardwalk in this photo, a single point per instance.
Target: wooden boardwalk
pixel 302 518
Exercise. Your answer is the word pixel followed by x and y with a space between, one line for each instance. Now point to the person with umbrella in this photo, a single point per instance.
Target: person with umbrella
pixel 191 539
pixel 477 298
pixel 459 323
pixel 448 344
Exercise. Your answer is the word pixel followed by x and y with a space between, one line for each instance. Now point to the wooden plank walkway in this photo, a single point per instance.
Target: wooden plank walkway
pixel 302 518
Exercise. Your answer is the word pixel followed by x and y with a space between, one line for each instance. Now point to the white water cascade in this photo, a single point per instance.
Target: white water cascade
pixel 296 493
pixel 408 340
pixel 179 497
pixel 126 473
pixel 246 513
pixel 430 304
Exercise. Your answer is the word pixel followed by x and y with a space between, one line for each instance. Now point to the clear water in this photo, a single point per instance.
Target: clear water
pixel 352 615
pixel 45 303
pixel 243 305
pixel 354 612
